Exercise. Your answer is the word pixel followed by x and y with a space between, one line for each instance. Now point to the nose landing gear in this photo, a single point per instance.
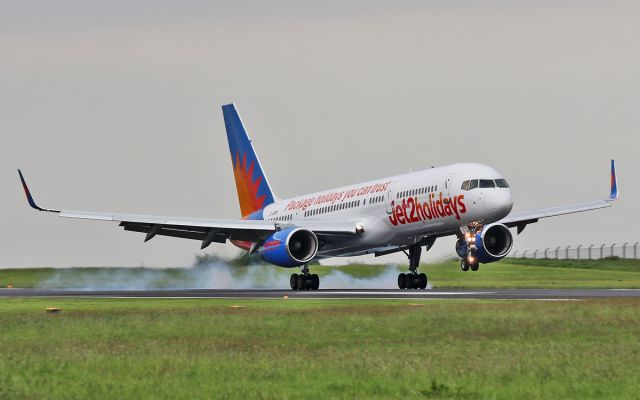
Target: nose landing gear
pixel 466 248
pixel 465 266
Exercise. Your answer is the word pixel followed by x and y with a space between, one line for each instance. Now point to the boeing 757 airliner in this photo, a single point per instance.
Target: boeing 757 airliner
pixel 401 213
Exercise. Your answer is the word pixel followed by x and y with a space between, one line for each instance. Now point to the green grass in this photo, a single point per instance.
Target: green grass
pixel 290 349
pixel 518 273
pixel 508 273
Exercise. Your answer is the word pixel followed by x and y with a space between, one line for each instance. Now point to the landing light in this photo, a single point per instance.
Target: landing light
pixel 471 260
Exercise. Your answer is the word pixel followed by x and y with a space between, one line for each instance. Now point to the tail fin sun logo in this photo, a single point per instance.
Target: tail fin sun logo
pixel 248 188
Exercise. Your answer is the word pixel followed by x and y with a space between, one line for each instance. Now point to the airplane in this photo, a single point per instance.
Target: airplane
pixel 402 213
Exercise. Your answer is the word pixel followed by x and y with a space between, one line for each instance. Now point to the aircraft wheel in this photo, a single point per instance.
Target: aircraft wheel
pixel 464 266
pixel 423 280
pixel 293 281
pixel 302 282
pixel 402 281
pixel 315 282
pixel 474 267
pixel 411 281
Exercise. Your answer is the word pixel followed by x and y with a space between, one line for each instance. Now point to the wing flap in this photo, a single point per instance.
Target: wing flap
pixel 206 230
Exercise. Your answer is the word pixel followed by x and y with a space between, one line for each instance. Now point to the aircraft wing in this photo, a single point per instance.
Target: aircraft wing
pixel 521 219
pixel 205 230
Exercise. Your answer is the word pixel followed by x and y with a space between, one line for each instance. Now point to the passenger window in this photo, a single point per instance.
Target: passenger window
pixel 487 183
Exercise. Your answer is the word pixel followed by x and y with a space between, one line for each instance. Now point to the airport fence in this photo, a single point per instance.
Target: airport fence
pixel 626 250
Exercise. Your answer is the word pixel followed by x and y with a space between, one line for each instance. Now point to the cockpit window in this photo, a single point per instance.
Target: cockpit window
pixel 484 183
pixel 487 183
pixel 470 184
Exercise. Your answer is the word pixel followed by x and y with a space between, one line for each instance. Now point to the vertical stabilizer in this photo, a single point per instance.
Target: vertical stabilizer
pixel 254 192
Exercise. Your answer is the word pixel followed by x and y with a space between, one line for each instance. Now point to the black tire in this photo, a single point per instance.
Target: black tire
pixel 411 281
pixel 293 281
pixel 464 266
pixel 302 282
pixel 423 280
pixel 402 281
pixel 315 282
pixel 474 267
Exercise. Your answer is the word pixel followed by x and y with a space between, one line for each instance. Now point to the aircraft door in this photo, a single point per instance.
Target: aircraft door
pixel 390 195
pixel 448 183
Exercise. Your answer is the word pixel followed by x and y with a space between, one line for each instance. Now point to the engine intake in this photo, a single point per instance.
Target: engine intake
pixel 493 243
pixel 291 247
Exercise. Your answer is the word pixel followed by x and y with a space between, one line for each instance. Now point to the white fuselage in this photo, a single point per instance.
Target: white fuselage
pixel 403 209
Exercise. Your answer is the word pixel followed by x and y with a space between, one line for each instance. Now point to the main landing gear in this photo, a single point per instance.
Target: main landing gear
pixel 305 280
pixel 413 280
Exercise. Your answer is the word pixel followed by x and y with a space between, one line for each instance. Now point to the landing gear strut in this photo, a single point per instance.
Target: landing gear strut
pixel 413 280
pixel 466 248
pixel 305 280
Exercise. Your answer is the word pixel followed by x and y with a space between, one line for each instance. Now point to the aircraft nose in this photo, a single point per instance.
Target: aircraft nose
pixel 498 203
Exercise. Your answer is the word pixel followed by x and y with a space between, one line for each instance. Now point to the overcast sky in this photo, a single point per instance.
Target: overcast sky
pixel 115 106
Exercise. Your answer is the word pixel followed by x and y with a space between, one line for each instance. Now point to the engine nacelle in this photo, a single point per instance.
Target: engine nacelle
pixel 291 247
pixel 493 243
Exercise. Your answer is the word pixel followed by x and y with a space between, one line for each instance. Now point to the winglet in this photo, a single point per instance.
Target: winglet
pixel 27 192
pixel 614 182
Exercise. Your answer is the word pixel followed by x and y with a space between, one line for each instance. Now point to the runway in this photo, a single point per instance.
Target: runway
pixel 258 294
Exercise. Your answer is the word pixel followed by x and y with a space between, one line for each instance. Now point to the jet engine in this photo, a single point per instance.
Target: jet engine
pixel 492 243
pixel 291 247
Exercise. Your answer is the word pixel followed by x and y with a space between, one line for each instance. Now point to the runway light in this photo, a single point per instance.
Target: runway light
pixel 53 310
pixel 285 297
pixel 236 307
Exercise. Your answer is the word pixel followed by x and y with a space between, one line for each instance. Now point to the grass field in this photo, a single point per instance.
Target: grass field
pixel 508 273
pixel 290 349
